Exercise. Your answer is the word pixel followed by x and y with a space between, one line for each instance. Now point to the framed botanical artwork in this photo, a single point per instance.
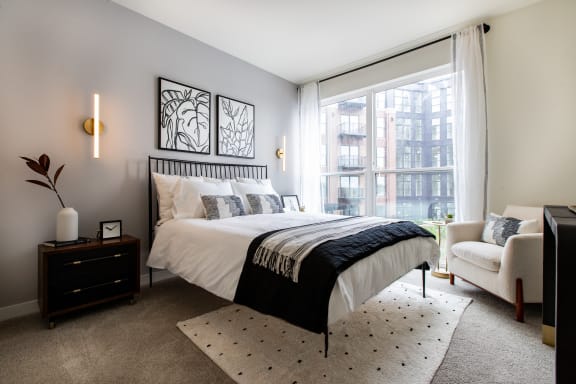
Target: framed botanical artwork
pixel 184 118
pixel 290 203
pixel 235 128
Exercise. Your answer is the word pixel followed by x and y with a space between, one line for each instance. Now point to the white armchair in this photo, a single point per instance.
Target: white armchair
pixel 512 272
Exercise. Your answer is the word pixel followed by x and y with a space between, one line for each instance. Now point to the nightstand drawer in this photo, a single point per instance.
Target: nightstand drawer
pixel 61 298
pixel 91 267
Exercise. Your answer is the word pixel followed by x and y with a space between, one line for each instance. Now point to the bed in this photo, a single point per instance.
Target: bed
pixel 213 254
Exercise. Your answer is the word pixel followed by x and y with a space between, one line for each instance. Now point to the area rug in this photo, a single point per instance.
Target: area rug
pixel 395 337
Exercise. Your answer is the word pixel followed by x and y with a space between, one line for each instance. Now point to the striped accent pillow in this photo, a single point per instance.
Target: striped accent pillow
pixel 264 203
pixel 222 206
pixel 498 229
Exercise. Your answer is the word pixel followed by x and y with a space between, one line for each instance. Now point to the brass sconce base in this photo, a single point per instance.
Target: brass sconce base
pixel 89 127
pixel 280 153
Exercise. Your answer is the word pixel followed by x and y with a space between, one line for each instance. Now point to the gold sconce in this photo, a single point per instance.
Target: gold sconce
pixel 281 153
pixel 89 125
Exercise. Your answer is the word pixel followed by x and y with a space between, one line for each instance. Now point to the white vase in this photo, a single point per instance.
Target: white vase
pixel 67 225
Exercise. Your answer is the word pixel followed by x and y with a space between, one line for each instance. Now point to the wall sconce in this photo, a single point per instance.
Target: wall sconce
pixel 89 125
pixel 281 153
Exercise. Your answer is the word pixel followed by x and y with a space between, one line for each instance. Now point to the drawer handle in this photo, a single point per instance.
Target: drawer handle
pixel 79 290
pixel 78 262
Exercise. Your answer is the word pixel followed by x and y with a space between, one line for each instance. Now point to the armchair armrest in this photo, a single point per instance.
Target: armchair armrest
pixel 523 253
pixel 523 259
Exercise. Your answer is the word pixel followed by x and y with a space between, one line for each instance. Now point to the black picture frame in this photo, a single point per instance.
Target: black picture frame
pixel 236 128
pixel 290 203
pixel 183 117
pixel 110 229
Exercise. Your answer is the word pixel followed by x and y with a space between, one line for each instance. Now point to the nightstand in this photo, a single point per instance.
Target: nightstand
pixel 79 276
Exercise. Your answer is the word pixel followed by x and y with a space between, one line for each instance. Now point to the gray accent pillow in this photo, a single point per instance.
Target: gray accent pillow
pixel 498 229
pixel 222 206
pixel 264 203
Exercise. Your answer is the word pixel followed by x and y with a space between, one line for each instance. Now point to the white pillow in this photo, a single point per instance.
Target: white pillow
pixel 165 193
pixel 188 196
pixel 242 189
pixel 247 180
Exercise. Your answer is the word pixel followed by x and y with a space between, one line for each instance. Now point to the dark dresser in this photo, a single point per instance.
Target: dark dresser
pixel 78 276
pixel 558 319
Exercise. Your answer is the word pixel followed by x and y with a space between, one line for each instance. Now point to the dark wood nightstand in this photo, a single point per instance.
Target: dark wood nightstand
pixel 78 276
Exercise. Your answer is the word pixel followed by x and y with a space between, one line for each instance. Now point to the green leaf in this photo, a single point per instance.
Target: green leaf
pixel 40 183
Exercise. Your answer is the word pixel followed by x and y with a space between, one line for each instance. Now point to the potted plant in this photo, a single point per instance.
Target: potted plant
pixel 449 218
pixel 67 218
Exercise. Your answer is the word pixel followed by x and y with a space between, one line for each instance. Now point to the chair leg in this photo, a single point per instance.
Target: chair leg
pixel 451 279
pixel 519 301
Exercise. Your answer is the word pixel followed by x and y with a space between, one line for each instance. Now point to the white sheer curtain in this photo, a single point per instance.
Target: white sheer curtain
pixel 470 125
pixel 309 108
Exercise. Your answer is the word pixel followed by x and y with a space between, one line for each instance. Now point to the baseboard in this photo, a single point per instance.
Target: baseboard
pixel 30 307
pixel 17 310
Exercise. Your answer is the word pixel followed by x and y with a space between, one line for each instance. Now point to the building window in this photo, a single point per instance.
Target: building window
pixel 436 157
pixel 418 185
pixel 417 157
pixel 343 186
pixel 404 185
pixel 435 101
pixel 380 185
pixel 417 123
pixel 380 158
pixel 436 184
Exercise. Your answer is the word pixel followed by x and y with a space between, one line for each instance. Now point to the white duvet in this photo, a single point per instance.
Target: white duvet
pixel 211 253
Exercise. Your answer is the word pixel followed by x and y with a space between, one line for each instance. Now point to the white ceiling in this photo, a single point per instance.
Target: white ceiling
pixel 303 40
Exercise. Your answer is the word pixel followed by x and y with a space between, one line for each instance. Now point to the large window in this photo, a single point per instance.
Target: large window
pixel 396 162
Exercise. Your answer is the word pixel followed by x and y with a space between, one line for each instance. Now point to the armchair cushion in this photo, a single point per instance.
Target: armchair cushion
pixel 484 255
pixel 498 229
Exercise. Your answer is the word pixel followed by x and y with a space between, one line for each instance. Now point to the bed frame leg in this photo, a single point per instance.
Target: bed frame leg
pixel 150 277
pixel 326 344
pixel 423 281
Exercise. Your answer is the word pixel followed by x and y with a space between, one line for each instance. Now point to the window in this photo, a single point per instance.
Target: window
pixel 410 173
pixel 417 123
pixel 402 100
pixel 404 185
pixel 380 157
pixel 379 127
pixel 403 129
pixel 418 185
pixel 417 157
pixel 436 100
pixel 436 184
pixel 343 178
pixel 380 185
pixel 436 157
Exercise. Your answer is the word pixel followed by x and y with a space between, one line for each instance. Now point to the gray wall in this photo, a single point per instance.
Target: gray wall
pixel 53 55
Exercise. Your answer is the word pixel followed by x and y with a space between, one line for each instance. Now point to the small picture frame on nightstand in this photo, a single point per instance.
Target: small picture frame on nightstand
pixel 290 203
pixel 111 229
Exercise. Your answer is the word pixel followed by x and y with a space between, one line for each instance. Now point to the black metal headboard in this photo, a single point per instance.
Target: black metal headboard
pixel 180 167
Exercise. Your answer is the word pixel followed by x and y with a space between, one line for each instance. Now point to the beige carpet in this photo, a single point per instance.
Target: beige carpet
pixel 395 337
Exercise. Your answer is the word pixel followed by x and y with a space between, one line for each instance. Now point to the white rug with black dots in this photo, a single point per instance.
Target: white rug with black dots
pixel 395 337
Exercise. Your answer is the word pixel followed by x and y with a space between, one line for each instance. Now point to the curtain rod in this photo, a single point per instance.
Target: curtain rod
pixel 485 26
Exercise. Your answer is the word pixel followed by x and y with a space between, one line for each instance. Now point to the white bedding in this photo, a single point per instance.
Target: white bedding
pixel 211 253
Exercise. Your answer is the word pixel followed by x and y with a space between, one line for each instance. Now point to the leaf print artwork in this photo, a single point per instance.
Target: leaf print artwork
pixel 184 118
pixel 235 128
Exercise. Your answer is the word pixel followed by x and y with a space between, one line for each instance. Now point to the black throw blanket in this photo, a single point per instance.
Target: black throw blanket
pixel 305 303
